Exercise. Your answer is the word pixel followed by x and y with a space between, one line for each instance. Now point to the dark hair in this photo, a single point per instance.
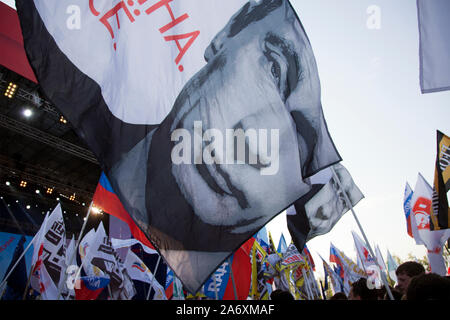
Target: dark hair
pixel 279 295
pixel 360 289
pixel 339 296
pixel 430 286
pixel 410 268
pixel 397 295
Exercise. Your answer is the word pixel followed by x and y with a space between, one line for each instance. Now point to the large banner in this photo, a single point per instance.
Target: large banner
pixel 205 115
pixel 8 244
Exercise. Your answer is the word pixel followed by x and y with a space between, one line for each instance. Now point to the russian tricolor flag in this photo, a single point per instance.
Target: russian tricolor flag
pixel 106 199
pixel 335 257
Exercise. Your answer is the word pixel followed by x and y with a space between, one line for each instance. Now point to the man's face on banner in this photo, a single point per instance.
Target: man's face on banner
pixel 260 74
pixel 326 207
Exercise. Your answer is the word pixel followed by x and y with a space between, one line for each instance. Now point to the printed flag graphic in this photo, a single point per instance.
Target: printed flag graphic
pixel 49 256
pixel 433 240
pixel 206 118
pixel 319 210
pixel 440 219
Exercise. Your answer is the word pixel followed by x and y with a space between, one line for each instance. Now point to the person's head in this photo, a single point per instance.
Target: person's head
pixel 405 272
pixel 260 79
pixel 360 291
pixel 279 295
pixel 428 286
pixel 339 296
pixel 395 294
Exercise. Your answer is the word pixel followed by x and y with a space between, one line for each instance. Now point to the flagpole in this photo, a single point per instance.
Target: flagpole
pixel 76 247
pixel 28 283
pixel 349 204
pixel 232 279
pixel 153 279
pixel 17 262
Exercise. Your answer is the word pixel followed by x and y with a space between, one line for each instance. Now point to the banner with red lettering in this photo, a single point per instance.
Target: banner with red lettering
pixel 205 115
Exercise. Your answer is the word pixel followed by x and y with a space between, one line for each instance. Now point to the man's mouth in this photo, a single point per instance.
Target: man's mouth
pixel 231 190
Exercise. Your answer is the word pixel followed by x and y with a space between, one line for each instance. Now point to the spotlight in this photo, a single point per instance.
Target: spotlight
pixel 11 90
pixel 38 191
pixel 72 197
pixel 28 207
pixel 95 210
pixel 23 183
pixel 8 183
pixel 62 120
pixel 49 190
pixel 27 113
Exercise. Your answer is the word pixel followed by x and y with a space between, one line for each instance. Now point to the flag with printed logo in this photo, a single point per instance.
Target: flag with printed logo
pixel 100 259
pixel 206 117
pixel 432 239
pixel 49 257
pixel 137 270
pixel 411 226
pixel 259 288
pixel 362 250
pixel 232 280
pixel 421 204
pixel 440 219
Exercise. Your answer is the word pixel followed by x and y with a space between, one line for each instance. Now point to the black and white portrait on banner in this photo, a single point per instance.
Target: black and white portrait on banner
pixel 318 211
pixel 205 135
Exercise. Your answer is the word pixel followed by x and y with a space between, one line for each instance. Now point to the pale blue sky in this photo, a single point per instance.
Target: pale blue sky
pixel 383 127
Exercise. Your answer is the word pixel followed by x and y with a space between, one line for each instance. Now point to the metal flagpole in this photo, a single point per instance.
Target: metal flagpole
pixel 28 283
pixel 349 204
pixel 154 276
pixel 232 279
pixel 76 247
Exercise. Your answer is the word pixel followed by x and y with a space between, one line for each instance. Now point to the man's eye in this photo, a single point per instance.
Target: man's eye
pixel 276 71
pixel 277 67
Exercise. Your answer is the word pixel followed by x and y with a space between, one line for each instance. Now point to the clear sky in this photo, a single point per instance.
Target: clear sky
pixel 383 127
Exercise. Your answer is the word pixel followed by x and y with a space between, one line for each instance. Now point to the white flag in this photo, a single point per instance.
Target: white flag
pixel 363 252
pixel 50 264
pixel 137 270
pixel 421 208
pixel 434 31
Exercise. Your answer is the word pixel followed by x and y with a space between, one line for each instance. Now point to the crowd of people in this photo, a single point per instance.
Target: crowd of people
pixel 413 283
